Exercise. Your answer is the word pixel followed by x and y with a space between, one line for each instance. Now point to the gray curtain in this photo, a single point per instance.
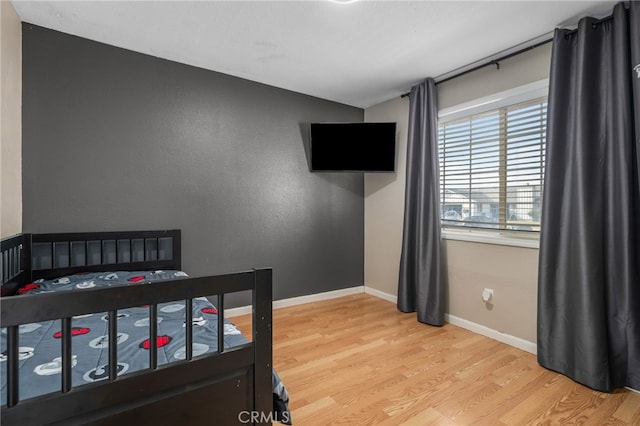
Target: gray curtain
pixel 589 273
pixel 421 285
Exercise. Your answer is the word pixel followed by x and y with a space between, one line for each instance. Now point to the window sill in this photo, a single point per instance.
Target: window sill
pixel 503 238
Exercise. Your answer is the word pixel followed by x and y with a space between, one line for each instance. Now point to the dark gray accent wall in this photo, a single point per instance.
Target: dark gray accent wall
pixel 117 140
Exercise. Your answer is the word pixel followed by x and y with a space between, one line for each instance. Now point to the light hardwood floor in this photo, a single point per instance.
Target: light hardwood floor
pixel 356 360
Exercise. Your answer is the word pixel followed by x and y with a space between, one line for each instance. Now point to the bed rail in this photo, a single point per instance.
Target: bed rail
pixel 159 391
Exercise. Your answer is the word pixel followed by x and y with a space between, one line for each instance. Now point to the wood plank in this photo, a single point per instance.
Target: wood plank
pixel 357 360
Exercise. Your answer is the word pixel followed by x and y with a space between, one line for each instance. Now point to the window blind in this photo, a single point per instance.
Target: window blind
pixel 492 167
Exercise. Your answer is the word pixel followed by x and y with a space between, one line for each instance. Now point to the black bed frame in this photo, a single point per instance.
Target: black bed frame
pixel 214 388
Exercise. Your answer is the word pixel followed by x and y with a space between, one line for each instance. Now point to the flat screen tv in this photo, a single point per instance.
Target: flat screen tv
pixel 353 147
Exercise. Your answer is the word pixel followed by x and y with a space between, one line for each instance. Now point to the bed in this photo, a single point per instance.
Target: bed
pixel 80 313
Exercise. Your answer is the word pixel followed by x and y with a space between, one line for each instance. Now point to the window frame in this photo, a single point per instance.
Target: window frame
pixel 521 94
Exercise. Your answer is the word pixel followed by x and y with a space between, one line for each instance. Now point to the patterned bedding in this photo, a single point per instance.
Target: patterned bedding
pixel 40 357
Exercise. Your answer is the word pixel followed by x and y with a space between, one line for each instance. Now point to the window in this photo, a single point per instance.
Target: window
pixel 492 167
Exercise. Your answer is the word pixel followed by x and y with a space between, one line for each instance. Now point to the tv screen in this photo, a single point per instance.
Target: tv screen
pixel 353 147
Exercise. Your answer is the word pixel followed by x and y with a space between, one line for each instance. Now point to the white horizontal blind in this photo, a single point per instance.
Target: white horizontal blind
pixel 492 167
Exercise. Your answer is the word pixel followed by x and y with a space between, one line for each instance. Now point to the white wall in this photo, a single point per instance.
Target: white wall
pixel 10 121
pixel 510 271
pixel 384 205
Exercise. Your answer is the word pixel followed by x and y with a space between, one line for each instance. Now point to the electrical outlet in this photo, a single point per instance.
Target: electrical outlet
pixel 487 295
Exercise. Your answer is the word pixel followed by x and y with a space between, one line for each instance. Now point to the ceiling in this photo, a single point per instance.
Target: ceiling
pixel 359 54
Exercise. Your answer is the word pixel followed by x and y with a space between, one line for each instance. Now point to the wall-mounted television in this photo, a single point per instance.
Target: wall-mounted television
pixel 353 147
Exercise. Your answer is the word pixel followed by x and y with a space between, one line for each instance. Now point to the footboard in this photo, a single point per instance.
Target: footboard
pixel 209 389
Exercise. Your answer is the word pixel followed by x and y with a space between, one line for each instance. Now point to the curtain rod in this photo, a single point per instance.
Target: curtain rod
pixel 495 62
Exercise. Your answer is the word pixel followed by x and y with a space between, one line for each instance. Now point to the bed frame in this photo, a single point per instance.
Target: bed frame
pixel 210 389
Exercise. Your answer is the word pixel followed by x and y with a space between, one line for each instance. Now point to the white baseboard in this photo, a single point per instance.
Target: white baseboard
pixel 236 312
pixel 300 300
pixel 381 294
pixel 517 342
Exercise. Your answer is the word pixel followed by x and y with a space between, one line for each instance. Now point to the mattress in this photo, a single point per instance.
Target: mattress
pixel 40 343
